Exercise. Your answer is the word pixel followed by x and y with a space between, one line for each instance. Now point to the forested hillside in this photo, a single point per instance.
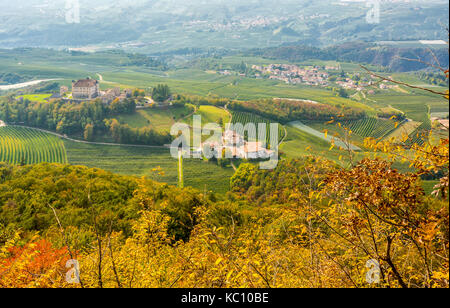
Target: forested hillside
pixel 402 59
pixel 150 26
pixel 308 223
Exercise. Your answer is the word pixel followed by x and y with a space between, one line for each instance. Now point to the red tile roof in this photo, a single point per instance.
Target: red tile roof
pixel 85 83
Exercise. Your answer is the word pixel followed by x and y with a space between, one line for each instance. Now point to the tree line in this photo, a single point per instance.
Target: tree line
pixel 290 110
pixel 87 119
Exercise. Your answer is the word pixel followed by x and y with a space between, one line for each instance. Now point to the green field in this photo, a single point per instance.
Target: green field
pixel 36 97
pixel 160 119
pixel 428 186
pixel 300 143
pixel 143 162
pixel 415 106
pixel 212 114
pixel 407 128
pixel 326 137
pixel 28 146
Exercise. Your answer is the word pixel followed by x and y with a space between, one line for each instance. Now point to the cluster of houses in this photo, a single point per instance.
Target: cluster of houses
pixel 351 84
pixel 292 74
pixel 233 145
pixel 89 89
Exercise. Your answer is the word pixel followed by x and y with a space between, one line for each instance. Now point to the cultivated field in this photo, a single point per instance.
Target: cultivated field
pixel 160 119
pixel 28 146
pixel 245 118
pixel 150 162
pixel 305 139
pixel 212 114
pixel 372 127
pixel 326 137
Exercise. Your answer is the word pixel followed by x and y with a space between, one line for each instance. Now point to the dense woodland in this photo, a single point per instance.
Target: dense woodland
pixel 290 110
pixel 434 78
pixel 161 93
pixel 87 119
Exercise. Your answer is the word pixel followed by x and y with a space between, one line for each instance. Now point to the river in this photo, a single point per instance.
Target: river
pixel 24 84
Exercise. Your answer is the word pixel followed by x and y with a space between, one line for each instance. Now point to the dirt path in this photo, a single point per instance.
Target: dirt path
pixel 100 78
pixel 234 167
pixel 228 111
pixel 285 136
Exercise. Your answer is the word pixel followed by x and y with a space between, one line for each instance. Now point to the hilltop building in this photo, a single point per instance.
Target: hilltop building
pixel 85 89
pixel 89 89
pixel 235 144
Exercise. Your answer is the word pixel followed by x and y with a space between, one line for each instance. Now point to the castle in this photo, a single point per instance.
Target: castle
pixel 89 89
pixel 85 89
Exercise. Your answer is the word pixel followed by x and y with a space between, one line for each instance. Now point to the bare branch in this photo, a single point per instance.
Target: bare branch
pixel 444 94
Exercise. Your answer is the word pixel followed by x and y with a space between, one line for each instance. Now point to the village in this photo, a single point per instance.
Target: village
pixel 359 83
pixel 317 76
pixel 293 74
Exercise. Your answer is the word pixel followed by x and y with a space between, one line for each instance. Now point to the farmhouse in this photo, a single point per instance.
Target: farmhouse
pixel 255 150
pixel 235 145
pixel 85 89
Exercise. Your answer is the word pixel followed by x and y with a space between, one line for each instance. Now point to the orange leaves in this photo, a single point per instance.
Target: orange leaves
pixel 379 209
pixel 37 264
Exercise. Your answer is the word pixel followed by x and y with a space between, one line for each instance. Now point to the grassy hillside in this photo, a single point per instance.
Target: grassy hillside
pixel 160 119
pixel 212 114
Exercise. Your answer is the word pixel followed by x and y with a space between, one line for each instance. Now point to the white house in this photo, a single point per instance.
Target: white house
pixel 255 150
pixel 85 89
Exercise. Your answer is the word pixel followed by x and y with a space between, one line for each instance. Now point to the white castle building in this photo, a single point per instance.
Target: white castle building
pixel 85 89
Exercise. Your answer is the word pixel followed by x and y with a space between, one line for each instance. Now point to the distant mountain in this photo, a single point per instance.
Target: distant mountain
pixel 400 59
pixel 152 26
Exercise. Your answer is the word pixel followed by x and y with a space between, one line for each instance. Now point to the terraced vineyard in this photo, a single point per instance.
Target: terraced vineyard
pixel 19 145
pixel 245 118
pixel 420 135
pixel 372 127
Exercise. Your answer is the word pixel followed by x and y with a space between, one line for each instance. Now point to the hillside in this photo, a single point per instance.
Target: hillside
pixel 159 25
pixel 261 235
pixel 391 57
pixel 224 152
